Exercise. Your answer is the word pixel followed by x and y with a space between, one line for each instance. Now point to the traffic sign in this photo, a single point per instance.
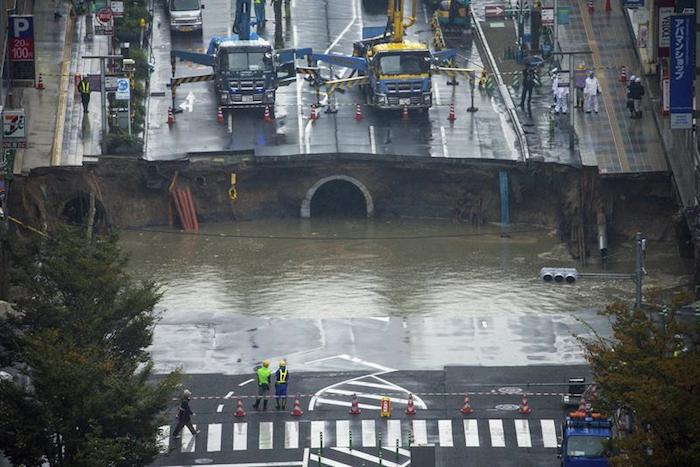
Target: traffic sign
pixel 547 16
pixel 104 22
pixel 117 7
pixel 494 11
pixel 21 46
pixel 104 15
pixel 123 91
pixel 14 133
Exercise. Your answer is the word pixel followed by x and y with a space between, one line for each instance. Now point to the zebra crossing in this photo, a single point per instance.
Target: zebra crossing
pixel 364 433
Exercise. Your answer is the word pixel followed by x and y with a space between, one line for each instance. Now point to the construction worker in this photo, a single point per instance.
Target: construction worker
pixel 590 93
pixel 264 376
pixel 281 381
pixel 84 90
pixel 260 12
pixel 561 95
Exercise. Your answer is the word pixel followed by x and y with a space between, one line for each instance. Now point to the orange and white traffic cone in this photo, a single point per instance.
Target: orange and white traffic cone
pixel 219 115
pixel 267 118
pixel 524 406
pixel 358 112
pixel 623 74
pixel 411 406
pixel 296 411
pixel 171 117
pixel 451 116
pixel 355 406
pixel 314 114
pixel 239 413
pixel 40 83
pixel 590 6
pixel 466 408
pixel 404 114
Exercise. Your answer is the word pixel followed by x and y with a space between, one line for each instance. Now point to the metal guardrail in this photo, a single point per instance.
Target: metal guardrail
pixel 503 90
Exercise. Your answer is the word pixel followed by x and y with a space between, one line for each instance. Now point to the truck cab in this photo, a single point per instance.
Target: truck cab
pixel 248 73
pixel 585 440
pixel 185 15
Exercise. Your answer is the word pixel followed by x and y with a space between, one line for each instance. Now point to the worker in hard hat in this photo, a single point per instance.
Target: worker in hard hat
pixel 281 381
pixel 264 376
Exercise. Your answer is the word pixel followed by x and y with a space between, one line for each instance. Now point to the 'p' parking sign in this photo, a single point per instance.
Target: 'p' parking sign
pixel 21 47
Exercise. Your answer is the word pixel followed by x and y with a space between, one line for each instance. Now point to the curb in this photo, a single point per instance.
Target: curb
pixel 57 146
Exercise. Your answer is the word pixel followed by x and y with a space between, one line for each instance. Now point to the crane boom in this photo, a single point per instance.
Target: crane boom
pixel 398 21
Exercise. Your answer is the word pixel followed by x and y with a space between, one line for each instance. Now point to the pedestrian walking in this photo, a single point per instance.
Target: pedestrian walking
pixel 84 90
pixel 184 416
pixel 637 92
pixel 260 12
pixel 281 381
pixel 590 93
pixel 630 100
pixel 562 97
pixel 264 375
pixel 528 85
pixel 555 86
pixel 580 75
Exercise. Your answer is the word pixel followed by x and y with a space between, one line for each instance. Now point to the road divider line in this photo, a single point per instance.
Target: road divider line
pixel 445 152
pixel 372 140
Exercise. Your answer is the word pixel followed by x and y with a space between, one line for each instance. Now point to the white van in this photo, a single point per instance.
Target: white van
pixel 185 15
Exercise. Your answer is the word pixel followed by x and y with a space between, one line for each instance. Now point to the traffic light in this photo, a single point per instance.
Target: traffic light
pixel 568 275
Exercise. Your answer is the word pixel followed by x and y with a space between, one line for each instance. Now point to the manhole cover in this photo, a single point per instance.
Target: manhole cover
pixel 510 390
pixel 507 407
pixel 203 460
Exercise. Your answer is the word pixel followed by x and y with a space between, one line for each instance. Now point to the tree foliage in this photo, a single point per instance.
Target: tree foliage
pixel 79 332
pixel 651 367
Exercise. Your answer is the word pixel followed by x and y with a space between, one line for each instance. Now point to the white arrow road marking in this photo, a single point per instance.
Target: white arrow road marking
pixel 188 105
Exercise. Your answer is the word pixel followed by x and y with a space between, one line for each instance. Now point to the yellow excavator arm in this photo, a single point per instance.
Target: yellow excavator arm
pixel 398 20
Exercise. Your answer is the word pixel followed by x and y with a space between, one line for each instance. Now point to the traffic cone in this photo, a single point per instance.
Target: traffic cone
pixel 623 74
pixel 219 115
pixel 411 406
pixel 466 408
pixel 355 406
pixel 404 114
pixel 171 117
pixel 590 6
pixel 358 112
pixel 314 114
pixel 239 413
pixel 296 411
pixel 267 118
pixel 451 116
pixel 524 406
pixel 40 83
pixel 608 7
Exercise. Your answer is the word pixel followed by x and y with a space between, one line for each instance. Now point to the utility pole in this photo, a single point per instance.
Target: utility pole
pixel 103 93
pixel 640 244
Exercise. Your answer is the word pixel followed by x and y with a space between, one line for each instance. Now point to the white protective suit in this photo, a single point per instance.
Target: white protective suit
pixel 561 94
pixel 590 94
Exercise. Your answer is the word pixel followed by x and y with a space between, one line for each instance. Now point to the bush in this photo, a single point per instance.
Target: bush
pixel 120 142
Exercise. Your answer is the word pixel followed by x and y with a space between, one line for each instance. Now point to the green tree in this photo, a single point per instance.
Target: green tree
pixel 79 331
pixel 651 367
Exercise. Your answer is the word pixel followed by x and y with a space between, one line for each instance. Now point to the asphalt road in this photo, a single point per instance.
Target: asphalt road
pixel 328 27
pixel 494 434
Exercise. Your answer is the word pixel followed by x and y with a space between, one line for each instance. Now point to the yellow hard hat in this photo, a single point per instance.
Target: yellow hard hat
pixel 283 362
pixel 266 363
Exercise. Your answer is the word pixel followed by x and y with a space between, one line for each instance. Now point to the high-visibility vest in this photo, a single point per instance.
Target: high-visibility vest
pixel 263 375
pixel 282 379
pixel 258 2
pixel 84 87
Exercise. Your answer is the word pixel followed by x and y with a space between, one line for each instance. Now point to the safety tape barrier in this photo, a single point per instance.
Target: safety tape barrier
pixel 192 79
pixel 419 394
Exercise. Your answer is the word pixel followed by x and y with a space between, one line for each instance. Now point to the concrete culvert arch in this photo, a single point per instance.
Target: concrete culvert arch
pixel 77 209
pixel 337 196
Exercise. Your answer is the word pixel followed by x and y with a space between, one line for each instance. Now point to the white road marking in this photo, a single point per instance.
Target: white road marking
pixel 402 452
pixel 369 438
pixel 253 464
pixel 418 401
pixel 228 395
pixel 365 456
pixel 549 433
pixel 265 438
pixel 328 462
pixel 322 400
pixel 522 433
pixel 425 14
pixel 188 105
pixel 344 392
pixel 240 436
pixel 445 152
pixel 305 462
pixel 342 433
pixel 436 88
pixel 164 439
pixel 372 140
pixel 497 438
pixel 393 432
pixel 384 319
pixel 291 435
pixel 214 437
pixel 371 385
pixel 346 29
pixel 317 428
pixel 246 382
pixel 188 441
pixel 471 433
pixel 220 408
pixel 420 433
pixel 445 433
